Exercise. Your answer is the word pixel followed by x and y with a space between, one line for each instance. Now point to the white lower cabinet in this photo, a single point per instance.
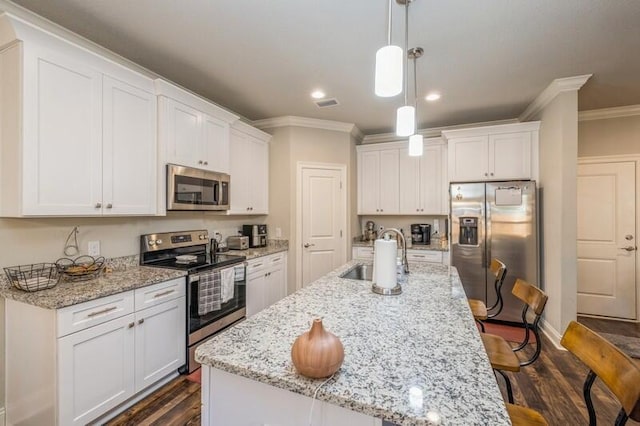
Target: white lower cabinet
pixel 77 363
pixel 422 256
pixel 96 370
pixel 266 281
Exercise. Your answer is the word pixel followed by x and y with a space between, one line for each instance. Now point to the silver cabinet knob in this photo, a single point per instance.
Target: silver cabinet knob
pixel 486 174
pixel 109 206
pixel 141 320
pixel 491 174
pixel 200 162
pixel 206 163
pixel 131 324
pixel 98 205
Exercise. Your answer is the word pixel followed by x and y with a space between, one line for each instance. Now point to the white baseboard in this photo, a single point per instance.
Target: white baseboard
pixel 2 421
pixel 552 334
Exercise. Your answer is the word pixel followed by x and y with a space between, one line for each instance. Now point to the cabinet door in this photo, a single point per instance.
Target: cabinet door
pixel 468 159
pixel 431 185
pixel 256 283
pixel 276 283
pixel 410 188
pixel 95 370
pixel 184 135
pixel 238 169
pixel 129 149
pixel 368 182
pixel 258 153
pixel 215 146
pixel 389 181
pixel 510 156
pixel 62 159
pixel 160 341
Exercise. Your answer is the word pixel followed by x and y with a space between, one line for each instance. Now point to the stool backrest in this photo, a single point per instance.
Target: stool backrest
pixel 532 296
pixel 616 370
pixel 498 269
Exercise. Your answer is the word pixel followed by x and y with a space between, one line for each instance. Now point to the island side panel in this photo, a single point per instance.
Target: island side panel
pixel 232 400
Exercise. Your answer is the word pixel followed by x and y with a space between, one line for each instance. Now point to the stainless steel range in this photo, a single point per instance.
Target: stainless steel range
pixel 216 285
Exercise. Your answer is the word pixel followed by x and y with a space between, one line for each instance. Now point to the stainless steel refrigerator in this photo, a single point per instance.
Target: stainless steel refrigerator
pixel 494 220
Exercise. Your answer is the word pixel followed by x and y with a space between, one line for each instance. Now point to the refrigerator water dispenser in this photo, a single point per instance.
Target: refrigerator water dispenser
pixel 468 231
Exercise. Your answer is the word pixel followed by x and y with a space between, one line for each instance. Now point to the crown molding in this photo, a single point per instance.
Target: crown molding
pixel 432 132
pixel 556 87
pixel 247 128
pixel 313 123
pixel 527 126
pixel 604 113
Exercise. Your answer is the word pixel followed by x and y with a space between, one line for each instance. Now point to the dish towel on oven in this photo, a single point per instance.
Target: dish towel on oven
pixel 227 276
pixel 209 292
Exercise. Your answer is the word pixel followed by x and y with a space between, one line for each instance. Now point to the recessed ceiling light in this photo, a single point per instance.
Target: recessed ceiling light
pixel 432 97
pixel 318 94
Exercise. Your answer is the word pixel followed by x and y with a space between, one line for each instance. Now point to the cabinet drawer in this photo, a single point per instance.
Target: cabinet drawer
pixel 84 315
pixel 363 252
pixel 159 293
pixel 256 265
pixel 424 256
pixel 275 259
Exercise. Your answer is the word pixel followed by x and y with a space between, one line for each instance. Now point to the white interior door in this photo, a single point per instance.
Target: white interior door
pixel 607 239
pixel 323 220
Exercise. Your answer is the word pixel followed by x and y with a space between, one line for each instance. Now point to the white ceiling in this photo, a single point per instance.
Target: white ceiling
pixel 488 58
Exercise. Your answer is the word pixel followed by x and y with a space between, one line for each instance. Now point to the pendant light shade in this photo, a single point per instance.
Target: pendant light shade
pixel 388 77
pixel 405 121
pixel 416 145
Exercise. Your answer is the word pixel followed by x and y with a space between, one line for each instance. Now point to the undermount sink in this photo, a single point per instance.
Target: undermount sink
pixel 359 272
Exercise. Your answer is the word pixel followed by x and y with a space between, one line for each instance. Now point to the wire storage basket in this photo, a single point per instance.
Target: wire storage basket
pixel 34 277
pixel 81 268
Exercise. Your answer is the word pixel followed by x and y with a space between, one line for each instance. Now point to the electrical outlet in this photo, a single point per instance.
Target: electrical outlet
pixel 214 234
pixel 436 226
pixel 93 248
pixel 278 232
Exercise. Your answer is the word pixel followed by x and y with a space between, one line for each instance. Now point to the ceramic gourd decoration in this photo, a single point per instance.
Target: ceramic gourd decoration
pixel 317 353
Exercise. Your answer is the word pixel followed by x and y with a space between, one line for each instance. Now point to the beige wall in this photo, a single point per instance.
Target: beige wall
pixel 613 136
pixel 558 181
pixel 289 146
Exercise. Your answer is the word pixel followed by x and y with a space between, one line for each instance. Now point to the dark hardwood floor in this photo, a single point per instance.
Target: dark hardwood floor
pixel 552 385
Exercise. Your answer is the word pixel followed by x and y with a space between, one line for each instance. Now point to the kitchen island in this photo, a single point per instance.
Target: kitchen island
pixel 412 359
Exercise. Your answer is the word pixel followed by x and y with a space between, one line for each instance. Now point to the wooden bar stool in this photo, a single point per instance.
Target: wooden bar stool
pixel 478 308
pixel 523 416
pixel 501 355
pixel 616 370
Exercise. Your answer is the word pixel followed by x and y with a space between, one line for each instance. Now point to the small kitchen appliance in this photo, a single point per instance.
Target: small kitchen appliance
pixel 190 251
pixel 257 235
pixel 238 242
pixel 421 233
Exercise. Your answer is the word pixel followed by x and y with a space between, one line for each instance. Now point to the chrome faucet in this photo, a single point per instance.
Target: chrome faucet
pixel 405 263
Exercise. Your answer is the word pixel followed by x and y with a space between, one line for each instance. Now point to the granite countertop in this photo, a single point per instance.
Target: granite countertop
pixel 433 247
pixel 71 293
pixel 412 359
pixel 274 246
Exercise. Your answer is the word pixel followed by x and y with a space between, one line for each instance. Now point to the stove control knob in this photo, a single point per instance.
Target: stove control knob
pixel 152 243
pixel 158 242
pixel 202 237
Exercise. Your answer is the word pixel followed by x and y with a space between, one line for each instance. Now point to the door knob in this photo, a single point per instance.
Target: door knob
pixel 307 245
pixel 629 248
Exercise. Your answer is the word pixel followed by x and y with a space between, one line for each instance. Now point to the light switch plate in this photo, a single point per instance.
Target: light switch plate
pixel 93 248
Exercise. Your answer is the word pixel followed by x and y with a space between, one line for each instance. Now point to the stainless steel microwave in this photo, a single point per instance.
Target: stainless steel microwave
pixel 194 189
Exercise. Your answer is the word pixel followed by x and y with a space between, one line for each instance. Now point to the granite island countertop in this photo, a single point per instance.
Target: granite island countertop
pixel 68 293
pixel 412 359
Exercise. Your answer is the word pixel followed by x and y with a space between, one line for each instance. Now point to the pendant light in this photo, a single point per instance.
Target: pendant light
pixel 388 77
pixel 416 141
pixel 405 116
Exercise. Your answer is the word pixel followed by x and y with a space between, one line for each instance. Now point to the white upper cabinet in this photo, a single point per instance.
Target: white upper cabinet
pixel 501 152
pixel 249 170
pixel 78 131
pixel 378 179
pixel 193 132
pixel 422 181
